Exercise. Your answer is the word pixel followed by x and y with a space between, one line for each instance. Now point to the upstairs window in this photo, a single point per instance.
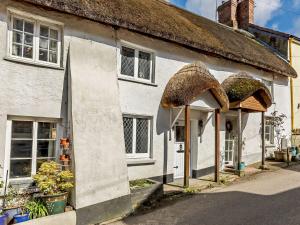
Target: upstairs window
pixel 35 41
pixel 137 64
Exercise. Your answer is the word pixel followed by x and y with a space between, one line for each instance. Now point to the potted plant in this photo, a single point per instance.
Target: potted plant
pixel 54 185
pixel 36 208
pixel 22 216
pixel 277 122
pixel 65 143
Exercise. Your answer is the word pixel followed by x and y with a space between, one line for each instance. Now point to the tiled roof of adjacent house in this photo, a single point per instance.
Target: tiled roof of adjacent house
pixel 167 22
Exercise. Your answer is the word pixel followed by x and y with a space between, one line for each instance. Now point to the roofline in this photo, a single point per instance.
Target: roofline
pixel 276 32
pixel 178 41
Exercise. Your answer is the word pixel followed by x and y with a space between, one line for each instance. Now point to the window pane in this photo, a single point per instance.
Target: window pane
pixel 128 129
pixel 17 37
pixel 44 31
pixel 45 130
pixel 18 24
pixel 22 129
pixel 53 45
pixel 53 57
pixel 179 135
pixel 53 34
pixel 144 65
pixel 127 61
pixel 43 56
pixel 20 168
pixel 21 149
pixel 46 149
pixel 141 135
pixel 29 27
pixel 44 43
pixel 17 50
pixel 28 39
pixel 28 52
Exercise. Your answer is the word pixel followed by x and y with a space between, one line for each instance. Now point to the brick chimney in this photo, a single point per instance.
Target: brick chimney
pixel 227 13
pixel 237 13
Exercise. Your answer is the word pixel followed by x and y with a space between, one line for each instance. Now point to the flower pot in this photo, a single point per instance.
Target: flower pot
pixel 279 155
pixel 65 143
pixel 242 166
pixel 285 156
pixel 55 204
pixel 3 219
pixel 19 218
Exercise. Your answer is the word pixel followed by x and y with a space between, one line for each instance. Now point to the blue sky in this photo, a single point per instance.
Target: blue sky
pixel 282 15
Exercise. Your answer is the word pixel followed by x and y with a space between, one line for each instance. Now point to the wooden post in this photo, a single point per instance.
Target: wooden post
pixel 263 146
pixel 217 145
pixel 240 137
pixel 187 146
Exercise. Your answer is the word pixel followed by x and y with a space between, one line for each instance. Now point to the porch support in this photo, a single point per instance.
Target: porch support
pixel 187 146
pixel 263 146
pixel 240 138
pixel 217 145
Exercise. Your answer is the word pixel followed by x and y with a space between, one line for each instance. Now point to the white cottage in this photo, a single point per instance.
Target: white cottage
pixel 96 71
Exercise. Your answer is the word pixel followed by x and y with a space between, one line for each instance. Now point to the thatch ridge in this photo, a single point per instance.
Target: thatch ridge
pixel 189 83
pixel 159 19
pixel 241 86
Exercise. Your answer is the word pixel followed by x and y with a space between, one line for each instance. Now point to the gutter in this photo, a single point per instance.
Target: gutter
pixel 291 39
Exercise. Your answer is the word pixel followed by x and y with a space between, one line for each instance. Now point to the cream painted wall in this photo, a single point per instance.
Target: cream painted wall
pixel 296 64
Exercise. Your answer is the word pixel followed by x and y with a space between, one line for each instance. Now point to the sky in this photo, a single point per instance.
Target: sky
pixel 282 15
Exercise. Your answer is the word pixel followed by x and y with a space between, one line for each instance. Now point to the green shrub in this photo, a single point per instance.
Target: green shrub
pixel 51 180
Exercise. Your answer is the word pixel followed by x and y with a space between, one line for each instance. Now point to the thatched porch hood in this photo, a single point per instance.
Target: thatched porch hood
pixel 162 20
pixel 241 86
pixel 189 83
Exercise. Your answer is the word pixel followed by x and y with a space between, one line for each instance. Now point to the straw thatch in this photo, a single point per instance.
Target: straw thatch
pixel 241 86
pixel 189 83
pixel 162 20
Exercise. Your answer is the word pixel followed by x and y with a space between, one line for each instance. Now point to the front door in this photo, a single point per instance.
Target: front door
pixel 229 148
pixel 179 151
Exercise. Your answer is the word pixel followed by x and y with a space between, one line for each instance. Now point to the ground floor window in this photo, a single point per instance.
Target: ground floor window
pixel 137 135
pixel 269 131
pixel 30 144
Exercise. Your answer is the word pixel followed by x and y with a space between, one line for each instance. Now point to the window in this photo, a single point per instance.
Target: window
pixel 34 40
pixel 269 85
pixel 137 136
pixel 137 64
pixel 31 144
pixel 269 131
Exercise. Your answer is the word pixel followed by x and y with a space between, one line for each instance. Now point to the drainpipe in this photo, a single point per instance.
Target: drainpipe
pixel 291 84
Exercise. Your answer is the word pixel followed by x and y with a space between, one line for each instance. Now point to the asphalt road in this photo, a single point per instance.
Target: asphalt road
pixel 271 198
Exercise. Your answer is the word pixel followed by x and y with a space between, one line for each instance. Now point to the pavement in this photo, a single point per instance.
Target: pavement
pixel 269 198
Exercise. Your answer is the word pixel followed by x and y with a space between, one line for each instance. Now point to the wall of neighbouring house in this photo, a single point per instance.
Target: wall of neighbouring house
pixel 296 89
pixel 29 90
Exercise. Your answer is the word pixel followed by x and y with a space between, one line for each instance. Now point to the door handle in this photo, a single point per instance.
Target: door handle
pixel 175 167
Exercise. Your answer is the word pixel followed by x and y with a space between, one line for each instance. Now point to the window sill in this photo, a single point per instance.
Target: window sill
pixel 23 61
pixel 136 81
pixel 136 162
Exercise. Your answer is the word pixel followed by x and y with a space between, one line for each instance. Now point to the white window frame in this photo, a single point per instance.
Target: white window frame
pixel 37 21
pixel 136 49
pixel 135 155
pixel 34 146
pixel 269 142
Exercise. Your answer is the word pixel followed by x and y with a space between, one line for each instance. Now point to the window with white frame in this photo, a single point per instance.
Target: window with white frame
pixel 34 40
pixel 269 131
pixel 30 144
pixel 137 135
pixel 270 86
pixel 137 64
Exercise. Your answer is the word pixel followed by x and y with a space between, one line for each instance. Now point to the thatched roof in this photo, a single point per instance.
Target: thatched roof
pixel 162 20
pixel 189 83
pixel 241 86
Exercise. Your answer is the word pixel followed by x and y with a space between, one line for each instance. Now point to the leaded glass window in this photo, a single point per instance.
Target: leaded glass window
pixel 127 61
pixel 137 136
pixel 144 65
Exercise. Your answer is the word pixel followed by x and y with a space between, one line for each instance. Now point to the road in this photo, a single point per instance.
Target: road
pixel 271 198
